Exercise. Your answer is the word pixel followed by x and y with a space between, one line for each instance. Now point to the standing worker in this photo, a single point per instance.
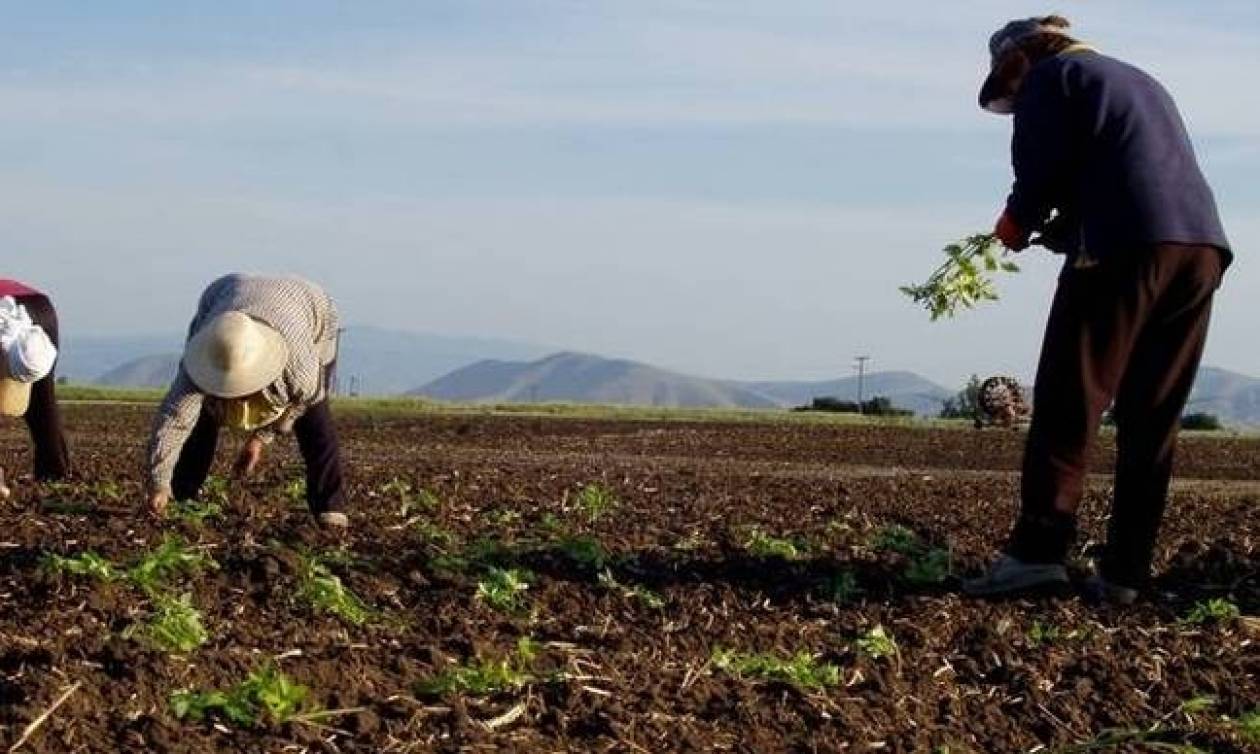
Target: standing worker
pixel 29 340
pixel 259 358
pixel 1105 172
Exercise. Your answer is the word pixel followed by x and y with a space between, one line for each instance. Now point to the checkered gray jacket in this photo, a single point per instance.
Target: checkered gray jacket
pixel 302 313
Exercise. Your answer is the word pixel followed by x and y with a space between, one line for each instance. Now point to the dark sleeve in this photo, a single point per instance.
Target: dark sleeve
pixel 1040 148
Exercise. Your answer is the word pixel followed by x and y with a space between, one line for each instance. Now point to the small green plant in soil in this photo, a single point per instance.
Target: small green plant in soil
pixel 802 669
pixel 265 696
pixel 594 500
pixel 762 545
pixel 842 587
pixel 485 677
pixel 587 552
pixel 176 625
pixel 636 592
pixel 964 279
pixel 433 533
pixel 1248 726
pixel 84 564
pixel 1042 634
pixel 171 558
pixel 895 538
pixel 877 643
pixel 1215 610
pixel 295 491
pixel 504 589
pixel 194 511
pixel 927 568
pixel 323 590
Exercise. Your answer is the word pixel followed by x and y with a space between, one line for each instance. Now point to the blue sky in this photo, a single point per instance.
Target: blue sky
pixel 724 187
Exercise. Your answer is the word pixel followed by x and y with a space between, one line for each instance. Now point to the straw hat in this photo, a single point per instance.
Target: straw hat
pixel 235 355
pixel 15 396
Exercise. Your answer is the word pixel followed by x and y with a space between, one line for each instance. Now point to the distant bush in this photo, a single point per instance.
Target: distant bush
pixel 877 406
pixel 966 403
pixel 1201 421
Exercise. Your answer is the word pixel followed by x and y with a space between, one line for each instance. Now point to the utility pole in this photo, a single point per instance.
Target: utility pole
pixel 861 367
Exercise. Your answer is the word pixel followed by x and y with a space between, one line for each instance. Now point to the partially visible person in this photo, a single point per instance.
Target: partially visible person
pixel 259 359
pixel 1000 403
pixel 1105 172
pixel 29 339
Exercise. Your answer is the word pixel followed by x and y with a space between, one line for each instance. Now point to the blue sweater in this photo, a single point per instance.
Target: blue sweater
pixel 1102 142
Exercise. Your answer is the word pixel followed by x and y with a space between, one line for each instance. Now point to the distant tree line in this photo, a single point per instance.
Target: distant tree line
pixel 877 406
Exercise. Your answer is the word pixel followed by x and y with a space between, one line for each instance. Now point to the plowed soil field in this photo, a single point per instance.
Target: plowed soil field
pixel 550 584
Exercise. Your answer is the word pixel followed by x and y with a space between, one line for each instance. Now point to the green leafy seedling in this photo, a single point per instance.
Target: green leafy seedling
pixel 1216 610
pixel 265 696
pixel 176 625
pixel 1248 726
pixel 762 545
pixel 324 591
pixel 802 669
pixel 842 587
pixel 896 538
pixel 595 500
pixel 877 644
pixel 485 677
pixel 84 564
pixel 171 558
pixel 587 552
pixel 964 279
pixel 636 592
pixel 931 567
pixel 504 589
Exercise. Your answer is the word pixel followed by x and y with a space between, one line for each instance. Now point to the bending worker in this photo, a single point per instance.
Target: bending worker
pixel 1105 171
pixel 29 341
pixel 259 358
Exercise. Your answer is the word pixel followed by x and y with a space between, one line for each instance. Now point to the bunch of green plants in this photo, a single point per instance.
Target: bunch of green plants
pixel 964 279
pixel 485 677
pixel 266 696
pixel 587 552
pixel 171 558
pixel 802 669
pixel 877 643
pixel 895 538
pixel 504 588
pixel 636 592
pixel 1216 610
pixel 87 564
pixel 841 587
pixel 595 500
pixel 760 544
pixel 929 567
pixel 323 590
pixel 175 626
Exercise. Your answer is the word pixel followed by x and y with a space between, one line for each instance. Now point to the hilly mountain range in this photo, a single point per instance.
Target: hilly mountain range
pixel 377 361
pixel 586 378
pixel 373 360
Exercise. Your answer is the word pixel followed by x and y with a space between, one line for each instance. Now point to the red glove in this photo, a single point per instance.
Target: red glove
pixel 1010 234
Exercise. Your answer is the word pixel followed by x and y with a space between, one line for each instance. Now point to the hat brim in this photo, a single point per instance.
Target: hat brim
pixel 15 396
pixel 238 383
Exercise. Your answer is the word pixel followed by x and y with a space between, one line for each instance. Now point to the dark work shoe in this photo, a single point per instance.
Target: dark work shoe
pixel 1100 591
pixel 1010 575
pixel 334 520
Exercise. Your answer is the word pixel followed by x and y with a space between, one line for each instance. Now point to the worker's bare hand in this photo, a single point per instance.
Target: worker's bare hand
pixel 158 501
pixel 247 461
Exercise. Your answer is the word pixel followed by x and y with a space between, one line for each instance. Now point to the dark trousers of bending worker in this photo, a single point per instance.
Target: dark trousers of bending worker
pixel 43 417
pixel 1129 331
pixel 316 436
